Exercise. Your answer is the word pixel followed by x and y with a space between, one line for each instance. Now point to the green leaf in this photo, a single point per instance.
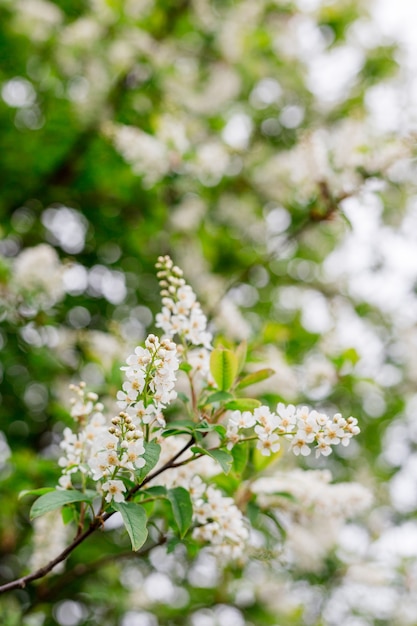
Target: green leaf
pixel 158 491
pixel 183 424
pixel 243 404
pixel 179 427
pixel 277 523
pixel 35 492
pixel 182 508
pixel 351 355
pixel 185 367
pixel 284 494
pixel 240 454
pixel 223 458
pixel 68 514
pixel 219 396
pixel 255 377
pixel 172 544
pixel 223 367
pixel 220 429
pixel 171 432
pixel 205 427
pixel 151 456
pixel 55 499
pixel 241 352
pixel 134 519
pixel 253 511
pixel 229 484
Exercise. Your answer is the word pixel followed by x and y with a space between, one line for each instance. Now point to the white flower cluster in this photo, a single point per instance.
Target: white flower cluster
pixel 300 425
pixel 77 447
pixel 150 380
pixel 107 453
pixel 118 449
pixel 311 509
pixel 148 156
pixel 220 522
pixel 100 452
pixel 38 19
pixel 181 313
pixel 311 489
pixel 38 276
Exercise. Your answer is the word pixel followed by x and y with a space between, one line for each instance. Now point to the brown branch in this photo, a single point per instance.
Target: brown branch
pixel 82 569
pixel 331 206
pixel 20 583
pixel 98 521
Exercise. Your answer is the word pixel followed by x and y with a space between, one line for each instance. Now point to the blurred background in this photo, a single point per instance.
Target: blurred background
pixel 268 146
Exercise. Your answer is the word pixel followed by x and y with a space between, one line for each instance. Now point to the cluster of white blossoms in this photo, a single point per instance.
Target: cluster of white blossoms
pixel 119 449
pixel 110 453
pixel 219 521
pixel 312 490
pixel 181 313
pixel 98 451
pixel 77 447
pixel 36 282
pixel 300 425
pixel 312 510
pixel 148 156
pixel 107 453
pixel 150 379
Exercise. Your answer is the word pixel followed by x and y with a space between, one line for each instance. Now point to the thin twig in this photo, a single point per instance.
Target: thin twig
pixel 82 569
pixel 97 522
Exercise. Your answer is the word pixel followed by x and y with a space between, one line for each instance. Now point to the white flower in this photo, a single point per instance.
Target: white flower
pixel 267 420
pixel 299 445
pixel 320 418
pixel 221 523
pixel 322 447
pixel 181 313
pixel 140 358
pixel 233 437
pixel 299 425
pixel 65 482
pixel 241 420
pixel 333 434
pixel 140 413
pixel 186 297
pixel 196 488
pixel 134 385
pixel 38 270
pixel 268 443
pixel 99 466
pixel 315 512
pixel 287 415
pixel 154 366
pixel 146 154
pixel 133 455
pixel 115 489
